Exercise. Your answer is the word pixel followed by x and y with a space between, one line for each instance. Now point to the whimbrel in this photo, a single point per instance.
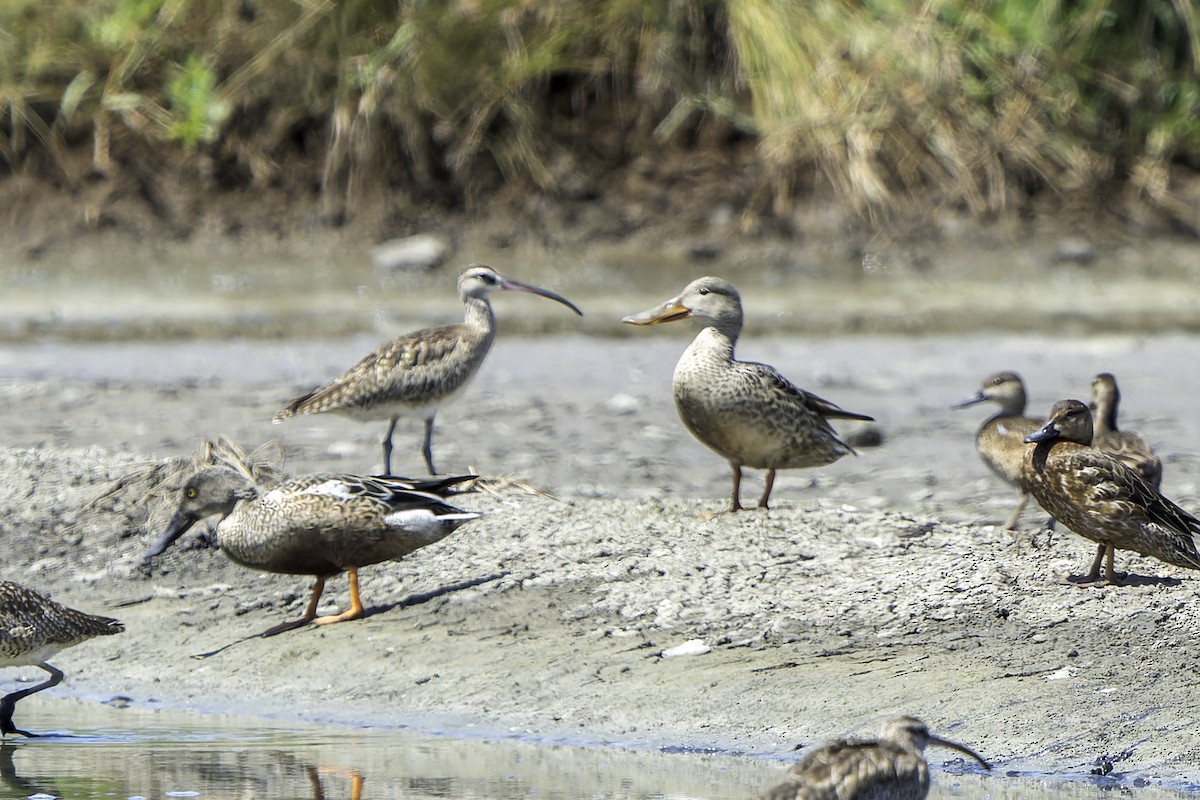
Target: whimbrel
pixel 33 629
pixel 318 525
pixel 417 373
pixel 892 767
pixel 1102 498
pixel 744 411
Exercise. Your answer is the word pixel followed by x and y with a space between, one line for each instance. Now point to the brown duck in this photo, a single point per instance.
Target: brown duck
pixel 891 767
pixel 1102 498
pixel 1000 440
pixel 744 411
pixel 1125 445
pixel 319 525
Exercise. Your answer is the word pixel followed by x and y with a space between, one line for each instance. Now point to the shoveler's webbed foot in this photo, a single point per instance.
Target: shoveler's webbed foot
pixel 284 627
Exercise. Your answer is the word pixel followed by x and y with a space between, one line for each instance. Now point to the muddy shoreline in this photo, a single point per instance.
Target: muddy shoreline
pixel 877 586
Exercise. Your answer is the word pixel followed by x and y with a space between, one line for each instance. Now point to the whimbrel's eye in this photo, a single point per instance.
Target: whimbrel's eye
pixel 704 291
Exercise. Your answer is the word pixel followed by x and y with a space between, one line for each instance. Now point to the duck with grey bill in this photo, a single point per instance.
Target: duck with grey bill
pixel 319 525
pixel 33 629
pixel 1000 440
pixel 1100 497
pixel 744 411
pixel 415 374
pixel 892 767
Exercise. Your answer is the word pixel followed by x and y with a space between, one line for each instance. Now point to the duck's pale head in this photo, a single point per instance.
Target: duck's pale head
pixel 713 300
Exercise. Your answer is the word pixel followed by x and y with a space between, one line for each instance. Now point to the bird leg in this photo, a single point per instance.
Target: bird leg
pixel 427 448
pixel 1110 575
pixel 387 447
pixel 1094 573
pixel 309 613
pixel 1011 525
pixel 762 503
pixel 8 703
pixel 737 487
pixel 356 607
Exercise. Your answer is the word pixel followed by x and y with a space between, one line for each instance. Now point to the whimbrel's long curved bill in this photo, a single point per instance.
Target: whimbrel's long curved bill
pixel 516 286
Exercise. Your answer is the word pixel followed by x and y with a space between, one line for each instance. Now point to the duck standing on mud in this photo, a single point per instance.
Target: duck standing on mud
pixel 744 411
pixel 1000 440
pixel 319 525
pixel 1125 445
pixel 1101 498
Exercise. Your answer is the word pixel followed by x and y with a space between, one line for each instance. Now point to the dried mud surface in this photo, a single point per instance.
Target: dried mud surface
pixel 880 585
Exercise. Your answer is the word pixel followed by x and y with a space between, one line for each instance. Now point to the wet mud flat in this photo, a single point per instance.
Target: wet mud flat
pixel 878 586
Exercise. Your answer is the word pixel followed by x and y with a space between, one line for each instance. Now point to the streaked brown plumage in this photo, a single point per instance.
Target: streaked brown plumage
pixel 416 373
pixel 892 767
pixel 1000 440
pixel 1125 445
pixel 33 629
pixel 744 411
pixel 1103 499
pixel 317 525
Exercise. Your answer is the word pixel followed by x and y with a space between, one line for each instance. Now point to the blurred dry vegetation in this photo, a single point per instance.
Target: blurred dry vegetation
pixel 884 104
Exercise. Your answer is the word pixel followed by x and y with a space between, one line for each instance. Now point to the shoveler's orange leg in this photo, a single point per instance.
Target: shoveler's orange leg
pixel 766 495
pixel 309 613
pixel 356 607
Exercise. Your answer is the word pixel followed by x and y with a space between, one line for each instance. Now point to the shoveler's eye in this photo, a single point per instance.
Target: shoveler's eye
pixel 190 492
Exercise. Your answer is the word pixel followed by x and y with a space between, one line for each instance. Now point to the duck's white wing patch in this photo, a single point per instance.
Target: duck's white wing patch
pixel 332 488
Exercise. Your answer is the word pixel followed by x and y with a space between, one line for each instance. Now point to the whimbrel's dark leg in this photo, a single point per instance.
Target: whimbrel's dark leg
pixel 427 448
pixel 9 702
pixel 356 607
pixel 309 613
pixel 766 495
pixel 737 487
pixel 1094 573
pixel 1011 525
pixel 387 447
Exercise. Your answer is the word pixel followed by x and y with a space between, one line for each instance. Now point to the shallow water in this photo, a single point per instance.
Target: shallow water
pixel 90 750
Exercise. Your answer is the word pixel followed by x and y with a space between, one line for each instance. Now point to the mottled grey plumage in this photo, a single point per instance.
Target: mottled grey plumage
pixel 1101 498
pixel 1125 445
pixel 744 411
pixel 317 525
pixel 415 374
pixel 1000 440
pixel 33 629
pixel 892 767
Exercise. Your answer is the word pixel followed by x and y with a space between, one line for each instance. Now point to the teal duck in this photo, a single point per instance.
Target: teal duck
pixel 415 374
pixel 1000 440
pixel 319 525
pixel 1101 498
pixel 891 767
pixel 33 629
pixel 744 411
pixel 1125 445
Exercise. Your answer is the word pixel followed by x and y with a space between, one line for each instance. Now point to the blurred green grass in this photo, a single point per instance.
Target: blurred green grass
pixel 970 104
